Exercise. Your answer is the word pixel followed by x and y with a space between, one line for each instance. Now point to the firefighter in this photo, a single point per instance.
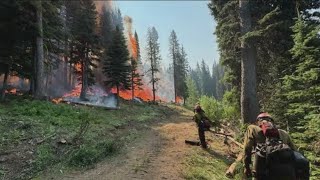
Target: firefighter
pixel 203 124
pixel 253 136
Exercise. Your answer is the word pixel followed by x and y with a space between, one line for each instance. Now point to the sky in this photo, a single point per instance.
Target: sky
pixel 191 20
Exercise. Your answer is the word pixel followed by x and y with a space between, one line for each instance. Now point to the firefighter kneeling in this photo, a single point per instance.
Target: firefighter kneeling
pixel 275 155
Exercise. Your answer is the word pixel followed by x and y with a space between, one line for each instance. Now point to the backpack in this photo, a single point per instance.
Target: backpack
pixel 279 157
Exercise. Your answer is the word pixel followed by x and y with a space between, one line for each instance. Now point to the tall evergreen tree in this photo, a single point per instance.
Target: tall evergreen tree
pixel 193 94
pixel 182 71
pixel 153 56
pixel 106 26
pixel 136 77
pixel 174 51
pixel 302 90
pixel 205 78
pixel 138 47
pixel 136 80
pixel 84 41
pixel 116 63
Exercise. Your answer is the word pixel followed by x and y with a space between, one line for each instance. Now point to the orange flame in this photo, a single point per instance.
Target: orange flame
pixel 179 100
pixel 11 91
pixel 57 100
pixel 134 47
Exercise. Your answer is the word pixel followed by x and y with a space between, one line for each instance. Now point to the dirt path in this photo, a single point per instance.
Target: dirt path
pixel 158 154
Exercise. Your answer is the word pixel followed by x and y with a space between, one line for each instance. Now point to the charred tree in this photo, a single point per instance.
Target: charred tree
pixel 249 102
pixel 5 82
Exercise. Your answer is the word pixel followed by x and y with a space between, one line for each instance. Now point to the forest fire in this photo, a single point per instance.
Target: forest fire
pixel 179 100
pixel 11 91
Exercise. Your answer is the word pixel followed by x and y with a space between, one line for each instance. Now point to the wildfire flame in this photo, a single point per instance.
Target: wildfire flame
pixel 11 91
pixel 134 47
pixel 179 100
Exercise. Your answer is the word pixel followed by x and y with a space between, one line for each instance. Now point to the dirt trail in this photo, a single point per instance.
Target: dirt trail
pixel 158 154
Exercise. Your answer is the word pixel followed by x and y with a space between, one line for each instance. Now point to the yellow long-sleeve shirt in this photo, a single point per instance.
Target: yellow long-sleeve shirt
pixel 254 135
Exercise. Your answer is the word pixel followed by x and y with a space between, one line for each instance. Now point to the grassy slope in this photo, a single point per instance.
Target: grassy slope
pixel 209 164
pixel 37 134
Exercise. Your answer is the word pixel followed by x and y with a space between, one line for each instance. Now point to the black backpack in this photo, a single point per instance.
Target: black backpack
pixel 278 157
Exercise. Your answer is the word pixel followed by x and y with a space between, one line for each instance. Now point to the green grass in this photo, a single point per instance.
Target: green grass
pixel 91 133
pixel 207 165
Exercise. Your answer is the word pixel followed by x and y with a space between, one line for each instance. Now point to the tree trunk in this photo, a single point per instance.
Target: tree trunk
pixel 5 82
pixel 132 84
pixel 40 89
pixel 153 81
pixel 174 75
pixel 249 102
pixel 70 75
pixel 118 94
pixel 84 77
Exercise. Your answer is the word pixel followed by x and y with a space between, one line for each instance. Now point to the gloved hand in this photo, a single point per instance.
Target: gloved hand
pixel 247 172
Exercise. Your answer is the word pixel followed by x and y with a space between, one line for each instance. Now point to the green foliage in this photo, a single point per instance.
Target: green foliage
pixel 212 107
pixel 193 94
pixel 302 90
pixel 45 157
pixel 227 110
pixel 153 57
pixel 24 120
pixel 88 155
pixel 116 62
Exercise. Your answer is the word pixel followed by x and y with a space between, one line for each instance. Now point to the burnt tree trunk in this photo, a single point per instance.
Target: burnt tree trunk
pixel 132 84
pixel 249 102
pixel 5 83
pixel 118 95
pixel 153 84
pixel 40 87
pixel 85 67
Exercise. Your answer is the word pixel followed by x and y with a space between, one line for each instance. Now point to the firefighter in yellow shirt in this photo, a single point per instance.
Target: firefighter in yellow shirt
pixel 253 136
pixel 203 124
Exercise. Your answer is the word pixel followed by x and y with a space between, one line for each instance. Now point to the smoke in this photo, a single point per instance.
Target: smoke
pixel 16 82
pixel 96 96
pixel 128 24
pixel 103 4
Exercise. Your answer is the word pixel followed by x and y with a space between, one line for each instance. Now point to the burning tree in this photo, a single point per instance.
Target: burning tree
pixel 136 81
pixel 83 41
pixel 116 63
pixel 153 56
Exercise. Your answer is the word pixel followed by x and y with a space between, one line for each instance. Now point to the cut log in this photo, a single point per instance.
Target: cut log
pixel 230 172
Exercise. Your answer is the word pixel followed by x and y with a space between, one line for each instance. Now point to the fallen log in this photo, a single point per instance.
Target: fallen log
pixel 229 137
pixel 90 104
pixel 220 133
pixel 231 170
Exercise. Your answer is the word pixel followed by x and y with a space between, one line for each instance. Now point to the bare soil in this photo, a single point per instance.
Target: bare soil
pixel 159 153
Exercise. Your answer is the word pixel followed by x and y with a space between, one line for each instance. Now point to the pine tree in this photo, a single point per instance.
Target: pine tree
pixel 138 47
pixel 84 41
pixel 182 71
pixel 193 94
pixel 153 56
pixel 116 63
pixel 302 89
pixel 136 80
pixel 174 51
pixel 106 27
pixel 136 77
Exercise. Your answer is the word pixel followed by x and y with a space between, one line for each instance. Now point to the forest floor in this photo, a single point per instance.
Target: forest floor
pixel 159 152
pixel 41 140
